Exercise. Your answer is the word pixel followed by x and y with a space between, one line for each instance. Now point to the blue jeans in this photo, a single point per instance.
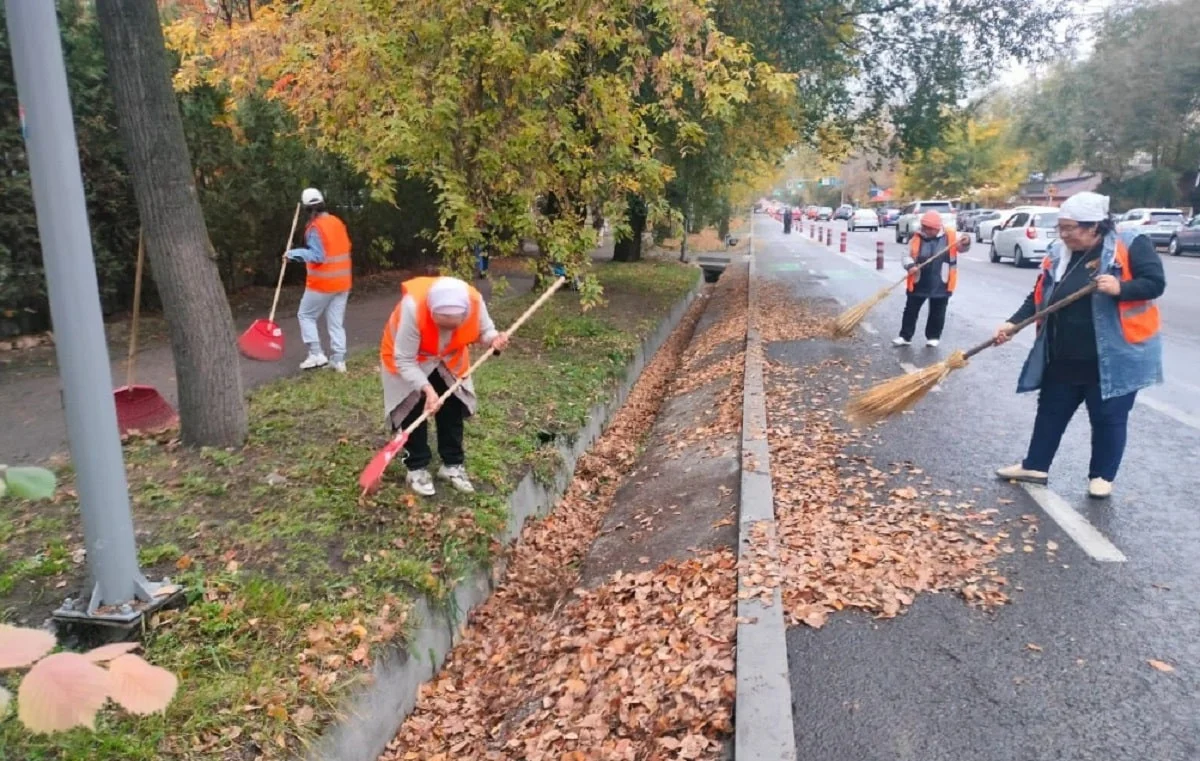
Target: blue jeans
pixel 1057 403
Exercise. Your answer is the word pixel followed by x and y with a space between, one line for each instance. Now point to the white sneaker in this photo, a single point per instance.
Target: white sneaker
pixel 457 476
pixel 1018 473
pixel 898 341
pixel 313 361
pixel 338 367
pixel 933 342
pixel 421 482
pixel 1098 488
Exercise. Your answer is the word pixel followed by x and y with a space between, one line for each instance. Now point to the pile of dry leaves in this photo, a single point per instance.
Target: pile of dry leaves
pixel 717 354
pixel 851 535
pixel 641 667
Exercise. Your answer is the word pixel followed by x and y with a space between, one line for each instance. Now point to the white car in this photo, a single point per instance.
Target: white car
pixel 1026 236
pixel 1159 225
pixel 863 219
pixel 988 227
pixel 910 217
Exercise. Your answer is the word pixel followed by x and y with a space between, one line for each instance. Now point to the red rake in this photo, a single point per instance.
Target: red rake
pixel 263 340
pixel 372 475
pixel 140 408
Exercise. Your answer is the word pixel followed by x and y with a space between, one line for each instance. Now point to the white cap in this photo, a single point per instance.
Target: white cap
pixel 311 197
pixel 449 295
pixel 1085 207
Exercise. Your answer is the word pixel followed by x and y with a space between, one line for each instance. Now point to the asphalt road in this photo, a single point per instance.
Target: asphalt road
pixel 946 682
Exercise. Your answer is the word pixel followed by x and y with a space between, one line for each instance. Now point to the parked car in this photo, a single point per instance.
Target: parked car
pixel 863 219
pixel 1159 225
pixel 888 217
pixel 909 221
pixel 985 228
pixel 845 211
pixel 968 220
pixel 1025 237
pixel 1186 238
pixel 824 213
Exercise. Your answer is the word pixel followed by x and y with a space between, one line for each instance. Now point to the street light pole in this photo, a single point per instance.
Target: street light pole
pixel 79 338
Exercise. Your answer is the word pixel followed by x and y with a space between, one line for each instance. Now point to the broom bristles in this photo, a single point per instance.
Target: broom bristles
pixel 891 397
pixel 850 319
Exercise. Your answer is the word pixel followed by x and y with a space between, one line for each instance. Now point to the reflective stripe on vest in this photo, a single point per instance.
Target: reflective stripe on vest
pixel 951 259
pixel 334 274
pixel 456 354
pixel 1140 320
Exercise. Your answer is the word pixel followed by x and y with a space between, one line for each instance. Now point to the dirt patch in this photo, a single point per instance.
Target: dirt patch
pixel 682 495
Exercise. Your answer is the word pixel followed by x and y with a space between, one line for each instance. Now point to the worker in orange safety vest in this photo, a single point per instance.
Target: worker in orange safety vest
pixel 934 283
pixel 326 256
pixel 425 349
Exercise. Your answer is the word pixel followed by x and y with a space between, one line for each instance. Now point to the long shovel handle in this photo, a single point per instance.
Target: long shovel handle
pixel 483 358
pixel 283 266
pixel 1087 290
pixel 137 309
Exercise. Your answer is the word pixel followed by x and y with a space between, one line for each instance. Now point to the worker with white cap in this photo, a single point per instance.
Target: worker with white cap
pixel 326 256
pixel 1099 351
pixel 425 348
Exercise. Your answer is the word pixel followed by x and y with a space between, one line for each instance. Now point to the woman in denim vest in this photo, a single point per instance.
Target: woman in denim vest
pixel 1099 351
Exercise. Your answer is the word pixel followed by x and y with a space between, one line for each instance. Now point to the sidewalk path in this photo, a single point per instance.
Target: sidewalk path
pixel 31 411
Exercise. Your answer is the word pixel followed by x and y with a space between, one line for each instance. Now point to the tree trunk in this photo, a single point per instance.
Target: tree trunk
pixel 630 249
pixel 212 408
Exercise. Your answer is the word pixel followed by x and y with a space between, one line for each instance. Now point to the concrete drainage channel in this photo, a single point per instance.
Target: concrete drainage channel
pixel 763 712
pixel 372 716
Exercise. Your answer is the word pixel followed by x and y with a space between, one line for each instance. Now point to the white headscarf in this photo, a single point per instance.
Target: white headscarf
pixel 449 296
pixel 1085 207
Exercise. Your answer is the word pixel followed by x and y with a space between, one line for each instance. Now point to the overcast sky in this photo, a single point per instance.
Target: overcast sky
pixel 1085 16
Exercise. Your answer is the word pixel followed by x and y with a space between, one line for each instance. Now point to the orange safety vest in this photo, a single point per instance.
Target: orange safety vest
pixel 1140 320
pixel 456 355
pixel 951 258
pixel 332 275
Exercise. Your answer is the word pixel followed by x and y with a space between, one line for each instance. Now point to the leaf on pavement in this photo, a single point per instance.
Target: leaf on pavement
pixel 1162 666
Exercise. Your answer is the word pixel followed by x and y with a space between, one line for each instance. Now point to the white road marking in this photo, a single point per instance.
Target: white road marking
pixel 910 368
pixel 1089 539
pixel 1193 277
pixel 1170 411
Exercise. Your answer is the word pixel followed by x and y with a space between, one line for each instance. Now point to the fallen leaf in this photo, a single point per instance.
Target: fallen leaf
pixel 1162 666
pixel 276 711
pixel 1033 647
pixel 184 562
pixel 1051 546
pixel 106 653
pixel 304 715
pixel 139 687
pixel 20 647
pixel 62 691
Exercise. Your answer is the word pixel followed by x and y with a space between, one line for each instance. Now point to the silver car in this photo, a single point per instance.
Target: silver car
pixel 1025 237
pixel 1159 225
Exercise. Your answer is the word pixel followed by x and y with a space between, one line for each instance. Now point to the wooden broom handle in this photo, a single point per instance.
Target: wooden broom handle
pixel 919 267
pixel 1087 290
pixel 137 308
pixel 283 266
pixel 484 357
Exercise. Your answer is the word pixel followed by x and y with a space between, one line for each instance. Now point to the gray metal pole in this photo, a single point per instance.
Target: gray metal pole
pixel 74 303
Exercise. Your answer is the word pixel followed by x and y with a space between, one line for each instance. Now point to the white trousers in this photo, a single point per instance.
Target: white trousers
pixel 333 305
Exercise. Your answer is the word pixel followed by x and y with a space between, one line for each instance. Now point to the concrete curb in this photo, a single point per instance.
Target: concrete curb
pixel 763 714
pixel 372 715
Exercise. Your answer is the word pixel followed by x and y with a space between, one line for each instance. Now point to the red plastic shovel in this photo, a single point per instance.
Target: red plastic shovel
pixel 140 408
pixel 372 475
pixel 263 340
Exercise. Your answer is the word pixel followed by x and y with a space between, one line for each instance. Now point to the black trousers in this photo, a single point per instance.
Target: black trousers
pixel 934 323
pixel 449 421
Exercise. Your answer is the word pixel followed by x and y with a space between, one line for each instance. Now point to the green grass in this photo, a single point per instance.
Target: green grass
pixel 285 581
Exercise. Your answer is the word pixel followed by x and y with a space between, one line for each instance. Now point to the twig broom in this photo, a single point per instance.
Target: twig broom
pixel 848 320
pixel 903 392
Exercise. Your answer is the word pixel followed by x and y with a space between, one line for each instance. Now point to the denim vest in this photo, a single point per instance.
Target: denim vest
pixel 1124 367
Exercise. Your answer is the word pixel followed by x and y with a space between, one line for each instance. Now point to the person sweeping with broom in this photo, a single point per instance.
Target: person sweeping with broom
pixel 425 349
pixel 1098 351
pixel 326 256
pixel 934 283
